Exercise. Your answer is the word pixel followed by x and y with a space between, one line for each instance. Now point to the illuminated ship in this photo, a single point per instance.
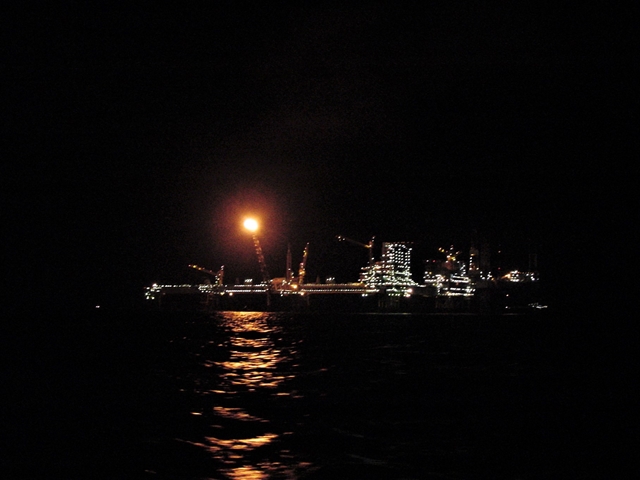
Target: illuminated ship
pixel 386 284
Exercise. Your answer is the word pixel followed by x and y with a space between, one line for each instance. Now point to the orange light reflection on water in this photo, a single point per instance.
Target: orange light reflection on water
pixel 217 444
pixel 237 414
pixel 255 364
pixel 254 357
pixel 246 473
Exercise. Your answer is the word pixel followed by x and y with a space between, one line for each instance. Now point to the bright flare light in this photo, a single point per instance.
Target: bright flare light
pixel 251 224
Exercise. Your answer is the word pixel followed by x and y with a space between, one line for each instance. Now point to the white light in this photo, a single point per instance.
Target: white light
pixel 251 224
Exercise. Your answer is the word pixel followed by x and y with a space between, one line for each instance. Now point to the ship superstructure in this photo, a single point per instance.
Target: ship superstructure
pixel 450 277
pixel 392 273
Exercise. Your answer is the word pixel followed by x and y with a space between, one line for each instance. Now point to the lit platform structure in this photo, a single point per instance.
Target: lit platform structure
pixel 250 296
pixel 156 290
pixel 392 274
pixel 386 284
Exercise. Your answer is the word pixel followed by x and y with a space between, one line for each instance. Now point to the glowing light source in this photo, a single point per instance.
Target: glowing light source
pixel 251 224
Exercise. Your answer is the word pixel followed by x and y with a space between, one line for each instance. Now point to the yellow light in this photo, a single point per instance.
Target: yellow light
pixel 251 224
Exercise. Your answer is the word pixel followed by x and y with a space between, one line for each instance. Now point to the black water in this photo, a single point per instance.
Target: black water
pixel 271 395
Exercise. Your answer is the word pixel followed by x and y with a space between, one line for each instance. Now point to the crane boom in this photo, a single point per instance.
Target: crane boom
pixel 303 265
pixel 219 275
pixel 365 245
pixel 355 242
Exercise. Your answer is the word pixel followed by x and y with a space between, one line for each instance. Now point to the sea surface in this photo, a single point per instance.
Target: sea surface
pixel 252 395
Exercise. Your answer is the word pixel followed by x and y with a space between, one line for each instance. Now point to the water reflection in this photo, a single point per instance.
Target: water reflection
pixel 254 356
pixel 259 363
pixel 247 473
pixel 219 445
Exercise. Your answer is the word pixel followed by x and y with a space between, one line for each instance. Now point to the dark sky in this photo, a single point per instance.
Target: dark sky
pixel 140 136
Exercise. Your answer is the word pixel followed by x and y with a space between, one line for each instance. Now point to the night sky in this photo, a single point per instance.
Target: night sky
pixel 139 137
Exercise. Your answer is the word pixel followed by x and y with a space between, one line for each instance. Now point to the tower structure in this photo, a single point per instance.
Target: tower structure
pixel 393 271
pixel 289 272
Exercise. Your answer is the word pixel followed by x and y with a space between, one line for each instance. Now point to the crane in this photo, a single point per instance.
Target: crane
pixel 365 245
pixel 219 275
pixel 303 265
